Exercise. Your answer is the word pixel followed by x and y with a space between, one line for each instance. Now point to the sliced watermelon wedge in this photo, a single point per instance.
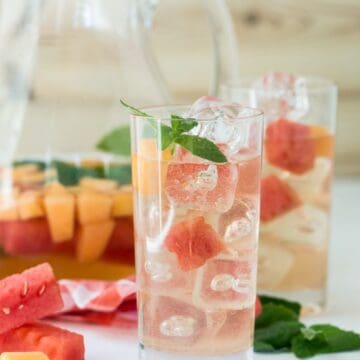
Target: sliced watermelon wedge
pixel 29 296
pixel 56 343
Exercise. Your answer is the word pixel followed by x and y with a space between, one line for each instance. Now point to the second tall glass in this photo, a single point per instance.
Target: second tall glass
pixel 196 224
pixel 300 115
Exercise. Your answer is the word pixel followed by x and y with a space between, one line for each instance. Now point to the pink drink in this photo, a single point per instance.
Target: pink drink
pixel 196 225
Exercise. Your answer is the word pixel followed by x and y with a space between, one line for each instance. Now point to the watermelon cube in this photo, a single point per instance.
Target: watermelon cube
pixel 290 146
pixel 27 297
pixel 277 198
pixel 194 242
pixel 202 186
pixel 56 343
pixel 28 237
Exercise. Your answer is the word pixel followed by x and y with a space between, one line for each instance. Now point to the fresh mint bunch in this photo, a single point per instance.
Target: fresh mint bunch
pixel 278 329
pixel 117 141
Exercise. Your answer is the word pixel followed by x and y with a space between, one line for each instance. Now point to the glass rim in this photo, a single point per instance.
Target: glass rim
pixel 256 114
pixel 315 84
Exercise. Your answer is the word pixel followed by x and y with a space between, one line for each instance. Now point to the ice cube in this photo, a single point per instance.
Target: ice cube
pixel 281 95
pixel 154 222
pixel 169 321
pixel 223 126
pixel 312 183
pixel 161 273
pixel 226 282
pixel 238 226
pixel 202 187
pixel 274 263
pixel 306 225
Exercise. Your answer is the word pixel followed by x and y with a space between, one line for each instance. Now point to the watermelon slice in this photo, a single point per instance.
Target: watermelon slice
pixel 276 198
pixel 290 146
pixel 56 343
pixel 27 297
pixel 194 242
pixel 30 237
pixel 202 186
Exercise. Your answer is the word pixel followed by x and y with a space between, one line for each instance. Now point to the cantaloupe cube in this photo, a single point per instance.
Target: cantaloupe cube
pixel 123 202
pixel 21 171
pixel 93 207
pixel 98 184
pixel 146 167
pixel 23 356
pixel 30 205
pixel 91 163
pixel 324 141
pixel 8 206
pixel 60 212
pixel 93 240
pixel 55 188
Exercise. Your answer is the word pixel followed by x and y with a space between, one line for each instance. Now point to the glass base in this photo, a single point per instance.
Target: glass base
pixel 313 301
pixel 151 354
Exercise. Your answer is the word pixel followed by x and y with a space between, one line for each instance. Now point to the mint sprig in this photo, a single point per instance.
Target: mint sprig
pixel 116 142
pixel 278 329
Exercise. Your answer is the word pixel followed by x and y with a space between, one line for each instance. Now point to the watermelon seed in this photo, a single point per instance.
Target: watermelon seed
pixel 42 290
pixel 25 289
pixel 21 306
pixel 6 311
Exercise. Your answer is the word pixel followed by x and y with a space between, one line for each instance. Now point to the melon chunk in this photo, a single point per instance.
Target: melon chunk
pixel 28 297
pixel 8 206
pixel 93 240
pixel 60 212
pixel 23 356
pixel 123 202
pixel 56 343
pixel 93 207
pixel 98 184
pixel 30 205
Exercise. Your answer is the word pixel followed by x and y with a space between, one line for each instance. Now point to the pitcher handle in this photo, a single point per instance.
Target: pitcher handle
pixel 225 48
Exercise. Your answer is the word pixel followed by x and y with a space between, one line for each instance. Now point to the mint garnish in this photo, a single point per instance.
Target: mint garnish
pixel 278 329
pixel 324 339
pixel 115 141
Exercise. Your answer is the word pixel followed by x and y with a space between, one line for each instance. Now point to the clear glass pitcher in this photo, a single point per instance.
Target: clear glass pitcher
pixel 64 65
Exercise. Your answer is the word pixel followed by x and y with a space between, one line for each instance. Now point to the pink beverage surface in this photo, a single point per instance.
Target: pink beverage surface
pixel 295 209
pixel 196 259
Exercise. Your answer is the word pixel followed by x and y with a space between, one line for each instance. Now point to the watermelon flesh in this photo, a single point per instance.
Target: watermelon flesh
pixel 290 146
pixel 277 198
pixel 194 242
pixel 202 187
pixel 56 343
pixel 28 297
pixel 30 237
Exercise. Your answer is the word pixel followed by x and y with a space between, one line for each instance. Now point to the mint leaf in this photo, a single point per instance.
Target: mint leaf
pixel 263 347
pixel 201 147
pixel 324 339
pixel 166 136
pixel 198 146
pixel 181 125
pixel 116 142
pixel 134 111
pixel 291 305
pixel 272 313
pixel 279 334
pixel 119 172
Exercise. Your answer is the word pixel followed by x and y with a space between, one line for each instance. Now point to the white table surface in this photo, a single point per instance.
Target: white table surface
pixel 344 287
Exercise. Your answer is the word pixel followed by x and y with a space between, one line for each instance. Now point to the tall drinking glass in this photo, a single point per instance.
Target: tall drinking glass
pixel 300 117
pixel 196 224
